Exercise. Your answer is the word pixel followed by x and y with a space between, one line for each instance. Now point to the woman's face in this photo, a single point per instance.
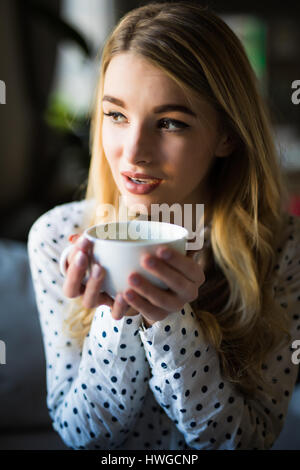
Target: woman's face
pixel 144 134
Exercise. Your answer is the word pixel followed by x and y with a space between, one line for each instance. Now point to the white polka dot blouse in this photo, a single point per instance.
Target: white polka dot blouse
pixel 157 388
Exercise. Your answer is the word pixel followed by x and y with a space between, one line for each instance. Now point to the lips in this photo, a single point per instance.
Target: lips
pixel 140 188
pixel 141 176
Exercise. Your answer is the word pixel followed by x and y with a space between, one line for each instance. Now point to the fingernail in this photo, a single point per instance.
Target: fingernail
pixel 80 259
pixel 120 299
pixel 165 254
pixel 151 262
pixel 72 238
pixel 135 280
pixel 130 295
pixel 83 242
pixel 96 271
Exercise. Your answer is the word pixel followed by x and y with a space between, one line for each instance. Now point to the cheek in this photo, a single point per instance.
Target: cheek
pixel 192 159
pixel 110 144
pixel 180 152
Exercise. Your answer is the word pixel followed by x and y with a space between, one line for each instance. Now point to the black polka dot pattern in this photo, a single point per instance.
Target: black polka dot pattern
pixel 157 388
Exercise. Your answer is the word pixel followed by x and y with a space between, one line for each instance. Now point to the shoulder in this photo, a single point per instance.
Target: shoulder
pixel 50 232
pixel 288 245
pixel 286 285
pixel 62 220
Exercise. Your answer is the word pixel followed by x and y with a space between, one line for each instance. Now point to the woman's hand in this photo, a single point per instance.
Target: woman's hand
pixel 180 273
pixel 77 264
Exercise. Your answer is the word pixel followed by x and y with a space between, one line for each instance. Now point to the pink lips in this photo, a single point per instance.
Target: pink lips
pixel 140 188
pixel 131 174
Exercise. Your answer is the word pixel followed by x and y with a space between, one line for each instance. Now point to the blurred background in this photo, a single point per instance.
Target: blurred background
pixel 49 59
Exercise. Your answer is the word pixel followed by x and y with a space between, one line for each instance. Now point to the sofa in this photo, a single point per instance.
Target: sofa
pixel 24 420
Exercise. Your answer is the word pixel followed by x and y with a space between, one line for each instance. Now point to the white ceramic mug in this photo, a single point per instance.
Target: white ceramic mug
pixel 121 257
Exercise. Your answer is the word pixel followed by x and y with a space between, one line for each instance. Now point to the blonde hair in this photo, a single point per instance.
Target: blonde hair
pixel 234 307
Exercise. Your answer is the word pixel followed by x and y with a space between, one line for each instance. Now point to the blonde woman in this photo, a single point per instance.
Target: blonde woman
pixel 208 363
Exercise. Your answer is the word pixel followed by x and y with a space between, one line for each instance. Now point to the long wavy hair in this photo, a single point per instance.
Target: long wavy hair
pixel 203 56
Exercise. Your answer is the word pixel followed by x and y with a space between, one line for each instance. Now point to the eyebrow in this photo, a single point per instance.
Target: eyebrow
pixel 158 109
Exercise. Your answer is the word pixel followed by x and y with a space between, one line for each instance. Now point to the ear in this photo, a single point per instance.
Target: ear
pixel 225 146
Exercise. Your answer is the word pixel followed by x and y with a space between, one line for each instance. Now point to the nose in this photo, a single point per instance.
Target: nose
pixel 138 145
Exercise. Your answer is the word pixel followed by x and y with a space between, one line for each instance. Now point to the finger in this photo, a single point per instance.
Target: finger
pixel 184 264
pixel 174 279
pixel 131 312
pixel 81 244
pixel 120 307
pixel 72 286
pixel 142 305
pixel 105 299
pixel 92 295
pixel 72 239
pixel 165 299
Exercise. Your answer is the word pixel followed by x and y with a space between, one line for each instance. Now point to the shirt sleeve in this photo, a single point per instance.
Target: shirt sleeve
pixel 94 396
pixel 187 381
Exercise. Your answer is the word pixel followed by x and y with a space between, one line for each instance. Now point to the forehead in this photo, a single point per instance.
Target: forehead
pixel 130 75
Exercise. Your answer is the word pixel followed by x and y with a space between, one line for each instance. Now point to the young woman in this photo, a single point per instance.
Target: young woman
pixel 206 364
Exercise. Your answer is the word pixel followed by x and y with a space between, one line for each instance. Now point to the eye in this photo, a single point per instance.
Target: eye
pixel 170 125
pixel 114 115
pixel 175 125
